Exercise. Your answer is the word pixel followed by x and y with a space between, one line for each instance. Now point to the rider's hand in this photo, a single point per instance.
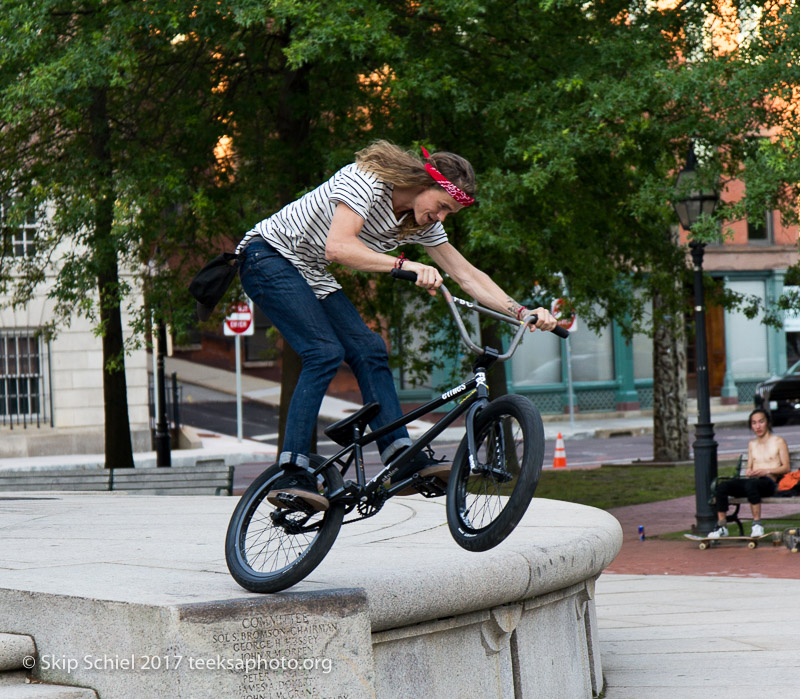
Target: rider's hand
pixel 544 319
pixel 427 277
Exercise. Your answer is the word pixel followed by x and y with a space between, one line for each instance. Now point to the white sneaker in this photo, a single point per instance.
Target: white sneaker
pixel 719 532
pixel 757 530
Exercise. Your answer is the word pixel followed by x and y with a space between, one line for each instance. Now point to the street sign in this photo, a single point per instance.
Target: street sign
pixel 564 315
pixel 239 320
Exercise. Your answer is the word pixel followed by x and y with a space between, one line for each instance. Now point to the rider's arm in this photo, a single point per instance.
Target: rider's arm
pixel 344 247
pixel 481 286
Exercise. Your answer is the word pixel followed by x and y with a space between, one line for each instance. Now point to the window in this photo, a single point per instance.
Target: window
pixel 539 361
pixel 747 353
pixel 592 354
pixel 18 241
pixel 642 356
pixel 760 232
pixel 23 378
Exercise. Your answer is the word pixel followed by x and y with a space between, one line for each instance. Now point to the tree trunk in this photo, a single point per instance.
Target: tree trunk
pixel 496 376
pixel 118 449
pixel 293 134
pixel 670 419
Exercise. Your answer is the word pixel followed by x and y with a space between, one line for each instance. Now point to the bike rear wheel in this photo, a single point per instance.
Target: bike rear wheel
pixel 269 549
pixel 486 501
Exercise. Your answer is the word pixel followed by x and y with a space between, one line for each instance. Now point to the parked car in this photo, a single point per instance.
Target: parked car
pixel 780 395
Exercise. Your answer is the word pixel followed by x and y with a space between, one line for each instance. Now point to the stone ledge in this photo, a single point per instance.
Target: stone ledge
pixel 396 609
pixel 13 649
pixel 21 442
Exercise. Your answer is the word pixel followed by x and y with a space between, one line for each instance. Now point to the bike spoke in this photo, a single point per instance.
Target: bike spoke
pixel 268 549
pixel 268 546
pixel 499 453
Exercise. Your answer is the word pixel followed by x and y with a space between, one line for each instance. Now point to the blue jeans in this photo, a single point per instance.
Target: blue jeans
pixel 323 332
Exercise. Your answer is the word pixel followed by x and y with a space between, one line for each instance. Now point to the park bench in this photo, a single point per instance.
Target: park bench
pixel 741 467
pixel 210 477
pixel 54 479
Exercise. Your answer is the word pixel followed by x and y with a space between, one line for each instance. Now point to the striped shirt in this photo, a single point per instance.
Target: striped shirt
pixel 299 230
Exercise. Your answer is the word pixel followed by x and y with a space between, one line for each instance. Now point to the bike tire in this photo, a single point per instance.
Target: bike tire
pixel 484 504
pixel 262 554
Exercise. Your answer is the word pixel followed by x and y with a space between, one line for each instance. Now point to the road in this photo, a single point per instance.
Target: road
pixel 214 411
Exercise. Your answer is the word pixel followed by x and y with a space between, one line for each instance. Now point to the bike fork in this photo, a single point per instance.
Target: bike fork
pixel 481 401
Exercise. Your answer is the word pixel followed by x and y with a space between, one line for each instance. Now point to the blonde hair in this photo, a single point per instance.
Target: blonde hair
pixel 404 168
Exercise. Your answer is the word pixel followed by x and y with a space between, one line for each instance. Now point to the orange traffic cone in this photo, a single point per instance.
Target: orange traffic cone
pixel 560 456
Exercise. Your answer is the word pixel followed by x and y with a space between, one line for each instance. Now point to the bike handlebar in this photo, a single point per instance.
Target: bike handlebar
pixel 451 301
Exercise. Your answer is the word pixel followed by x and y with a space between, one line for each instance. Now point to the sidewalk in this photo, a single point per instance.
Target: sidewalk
pixel 676 621
pixel 661 557
pixel 690 637
pixel 582 427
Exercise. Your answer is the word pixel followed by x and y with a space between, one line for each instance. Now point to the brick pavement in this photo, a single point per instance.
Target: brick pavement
pixel 657 557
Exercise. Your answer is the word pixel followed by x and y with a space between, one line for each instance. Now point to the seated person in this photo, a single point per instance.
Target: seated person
pixel 767 461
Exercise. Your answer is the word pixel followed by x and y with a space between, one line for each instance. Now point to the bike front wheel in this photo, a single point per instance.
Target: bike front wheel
pixel 487 499
pixel 269 549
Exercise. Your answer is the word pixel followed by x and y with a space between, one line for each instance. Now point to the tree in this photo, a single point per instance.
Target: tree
pixel 575 114
pixel 291 124
pixel 144 100
pixel 99 120
pixel 577 117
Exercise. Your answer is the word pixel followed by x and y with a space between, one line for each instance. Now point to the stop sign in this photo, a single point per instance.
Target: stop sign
pixel 564 315
pixel 239 320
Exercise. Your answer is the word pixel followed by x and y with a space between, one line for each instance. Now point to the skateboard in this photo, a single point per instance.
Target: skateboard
pixel 791 539
pixel 752 541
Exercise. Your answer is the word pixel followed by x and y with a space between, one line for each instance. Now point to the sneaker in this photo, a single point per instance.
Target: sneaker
pixel 296 489
pixel 426 466
pixel 719 532
pixel 757 530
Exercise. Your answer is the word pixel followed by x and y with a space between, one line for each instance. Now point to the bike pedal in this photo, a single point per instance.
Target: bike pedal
pixel 431 487
pixel 293 502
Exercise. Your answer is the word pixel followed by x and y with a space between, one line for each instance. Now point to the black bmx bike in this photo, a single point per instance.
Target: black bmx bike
pixel 494 474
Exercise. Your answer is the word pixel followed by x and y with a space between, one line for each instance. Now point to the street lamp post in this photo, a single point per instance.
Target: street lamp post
pixel 161 437
pixel 696 203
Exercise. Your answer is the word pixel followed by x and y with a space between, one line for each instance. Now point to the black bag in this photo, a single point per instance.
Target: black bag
pixel 211 282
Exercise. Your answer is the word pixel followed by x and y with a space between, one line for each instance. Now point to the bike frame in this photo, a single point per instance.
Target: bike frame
pixel 472 396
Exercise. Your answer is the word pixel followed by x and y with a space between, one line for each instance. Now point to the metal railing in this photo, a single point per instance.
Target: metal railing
pixel 25 394
pixel 174 393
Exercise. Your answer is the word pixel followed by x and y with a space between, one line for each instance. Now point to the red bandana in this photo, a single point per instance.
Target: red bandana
pixel 458 194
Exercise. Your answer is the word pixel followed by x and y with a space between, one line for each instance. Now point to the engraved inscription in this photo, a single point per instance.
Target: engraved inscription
pixel 281 655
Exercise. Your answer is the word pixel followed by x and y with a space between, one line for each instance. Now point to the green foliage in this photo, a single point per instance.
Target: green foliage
pixel 576 116
pixel 100 127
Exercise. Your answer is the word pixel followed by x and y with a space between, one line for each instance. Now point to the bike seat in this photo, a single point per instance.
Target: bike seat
pixel 342 431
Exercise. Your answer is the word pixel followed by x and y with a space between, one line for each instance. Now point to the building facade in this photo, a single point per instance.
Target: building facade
pixel 51 391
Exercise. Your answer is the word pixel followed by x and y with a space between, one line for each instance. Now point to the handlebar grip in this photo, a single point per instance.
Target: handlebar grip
pixel 558 330
pixel 561 332
pixel 406 274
